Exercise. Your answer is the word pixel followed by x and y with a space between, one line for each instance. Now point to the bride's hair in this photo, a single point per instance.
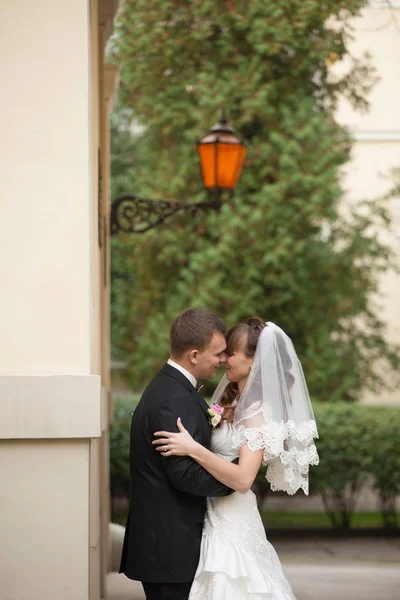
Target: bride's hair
pixel 243 336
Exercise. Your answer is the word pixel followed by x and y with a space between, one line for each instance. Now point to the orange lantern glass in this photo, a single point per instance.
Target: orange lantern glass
pixel 222 156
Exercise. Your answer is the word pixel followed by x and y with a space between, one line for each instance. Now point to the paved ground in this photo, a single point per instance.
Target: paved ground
pixel 363 569
pixel 365 551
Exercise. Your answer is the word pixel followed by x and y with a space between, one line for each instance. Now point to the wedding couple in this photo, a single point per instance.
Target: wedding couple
pixel 194 530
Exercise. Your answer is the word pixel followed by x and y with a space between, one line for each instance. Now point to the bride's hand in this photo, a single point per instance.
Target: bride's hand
pixel 175 444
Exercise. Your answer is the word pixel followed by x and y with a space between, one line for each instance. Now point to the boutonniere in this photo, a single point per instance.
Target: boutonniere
pixel 215 415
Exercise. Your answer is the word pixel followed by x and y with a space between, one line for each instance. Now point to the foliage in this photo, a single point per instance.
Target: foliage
pixel 344 446
pixel 124 163
pixel 315 520
pixel 119 444
pixel 260 487
pixel 281 248
pixel 357 444
pixel 384 460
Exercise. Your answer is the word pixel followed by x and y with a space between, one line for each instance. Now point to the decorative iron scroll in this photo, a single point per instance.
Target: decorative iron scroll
pixel 131 214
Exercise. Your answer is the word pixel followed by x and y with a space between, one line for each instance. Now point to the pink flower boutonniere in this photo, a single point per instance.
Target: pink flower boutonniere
pixel 215 415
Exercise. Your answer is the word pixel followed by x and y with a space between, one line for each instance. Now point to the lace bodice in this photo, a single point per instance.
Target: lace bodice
pixel 222 442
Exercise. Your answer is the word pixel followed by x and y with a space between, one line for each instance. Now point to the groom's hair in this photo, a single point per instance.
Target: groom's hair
pixel 194 328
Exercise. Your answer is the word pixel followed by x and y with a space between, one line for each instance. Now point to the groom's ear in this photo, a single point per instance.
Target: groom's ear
pixel 193 356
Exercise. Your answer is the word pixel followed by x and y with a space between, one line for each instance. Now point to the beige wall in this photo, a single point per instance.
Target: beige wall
pixel 104 81
pixel 377 145
pixel 376 32
pixel 54 373
pixel 44 520
pixel 95 466
pixel 109 83
pixel 46 257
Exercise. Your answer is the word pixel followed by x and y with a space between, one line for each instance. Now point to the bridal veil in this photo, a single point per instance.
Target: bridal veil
pixel 274 412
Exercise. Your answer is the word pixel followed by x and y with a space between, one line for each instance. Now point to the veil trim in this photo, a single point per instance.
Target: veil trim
pixel 287 464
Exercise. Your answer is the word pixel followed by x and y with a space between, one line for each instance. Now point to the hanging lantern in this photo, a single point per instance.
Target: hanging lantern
pixel 222 156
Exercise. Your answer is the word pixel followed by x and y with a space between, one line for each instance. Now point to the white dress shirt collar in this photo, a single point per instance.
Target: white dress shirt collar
pixel 184 372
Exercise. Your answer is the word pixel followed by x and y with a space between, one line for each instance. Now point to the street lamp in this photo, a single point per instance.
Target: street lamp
pixel 221 155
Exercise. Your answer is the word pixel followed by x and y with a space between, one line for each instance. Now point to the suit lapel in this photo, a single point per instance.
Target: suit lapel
pixel 172 372
pixel 202 402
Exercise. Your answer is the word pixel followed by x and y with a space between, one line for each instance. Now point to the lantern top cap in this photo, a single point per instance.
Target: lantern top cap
pixel 222 126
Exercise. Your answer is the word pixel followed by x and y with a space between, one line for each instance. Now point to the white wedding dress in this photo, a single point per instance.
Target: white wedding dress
pixel 236 560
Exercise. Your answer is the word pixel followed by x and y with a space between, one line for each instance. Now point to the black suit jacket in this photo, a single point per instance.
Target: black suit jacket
pixel 168 494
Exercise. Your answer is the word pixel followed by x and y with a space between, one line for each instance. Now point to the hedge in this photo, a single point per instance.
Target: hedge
pixel 119 444
pixel 357 444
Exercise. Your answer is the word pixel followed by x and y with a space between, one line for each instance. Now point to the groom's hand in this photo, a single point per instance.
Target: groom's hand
pixel 175 444
pixel 184 473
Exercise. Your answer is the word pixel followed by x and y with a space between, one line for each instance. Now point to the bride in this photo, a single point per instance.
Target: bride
pixel 261 413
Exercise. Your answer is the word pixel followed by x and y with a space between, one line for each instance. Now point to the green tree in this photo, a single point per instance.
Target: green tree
pixel 124 163
pixel 281 247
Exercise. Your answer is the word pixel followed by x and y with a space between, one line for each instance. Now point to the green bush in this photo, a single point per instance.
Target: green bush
pixel 343 448
pixel 119 444
pixel 357 444
pixel 383 460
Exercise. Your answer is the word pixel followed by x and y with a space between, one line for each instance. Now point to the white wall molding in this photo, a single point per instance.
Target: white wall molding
pixel 377 136
pixel 384 4
pixel 50 406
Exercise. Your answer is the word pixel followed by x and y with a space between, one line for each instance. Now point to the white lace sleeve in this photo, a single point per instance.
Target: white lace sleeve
pixel 289 450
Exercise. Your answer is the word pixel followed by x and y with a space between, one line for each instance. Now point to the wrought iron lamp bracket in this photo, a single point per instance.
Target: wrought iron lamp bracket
pixel 132 214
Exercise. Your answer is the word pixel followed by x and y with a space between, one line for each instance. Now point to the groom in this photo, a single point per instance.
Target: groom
pixel 168 495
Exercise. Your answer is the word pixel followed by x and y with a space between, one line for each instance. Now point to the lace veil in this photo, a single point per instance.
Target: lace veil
pixel 274 412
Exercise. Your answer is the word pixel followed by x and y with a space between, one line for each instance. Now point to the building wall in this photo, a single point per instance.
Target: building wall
pixel 94 453
pixel 377 145
pixel 44 519
pixel 45 305
pixel 54 380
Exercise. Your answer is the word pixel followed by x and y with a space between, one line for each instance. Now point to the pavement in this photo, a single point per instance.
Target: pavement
pixel 320 569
